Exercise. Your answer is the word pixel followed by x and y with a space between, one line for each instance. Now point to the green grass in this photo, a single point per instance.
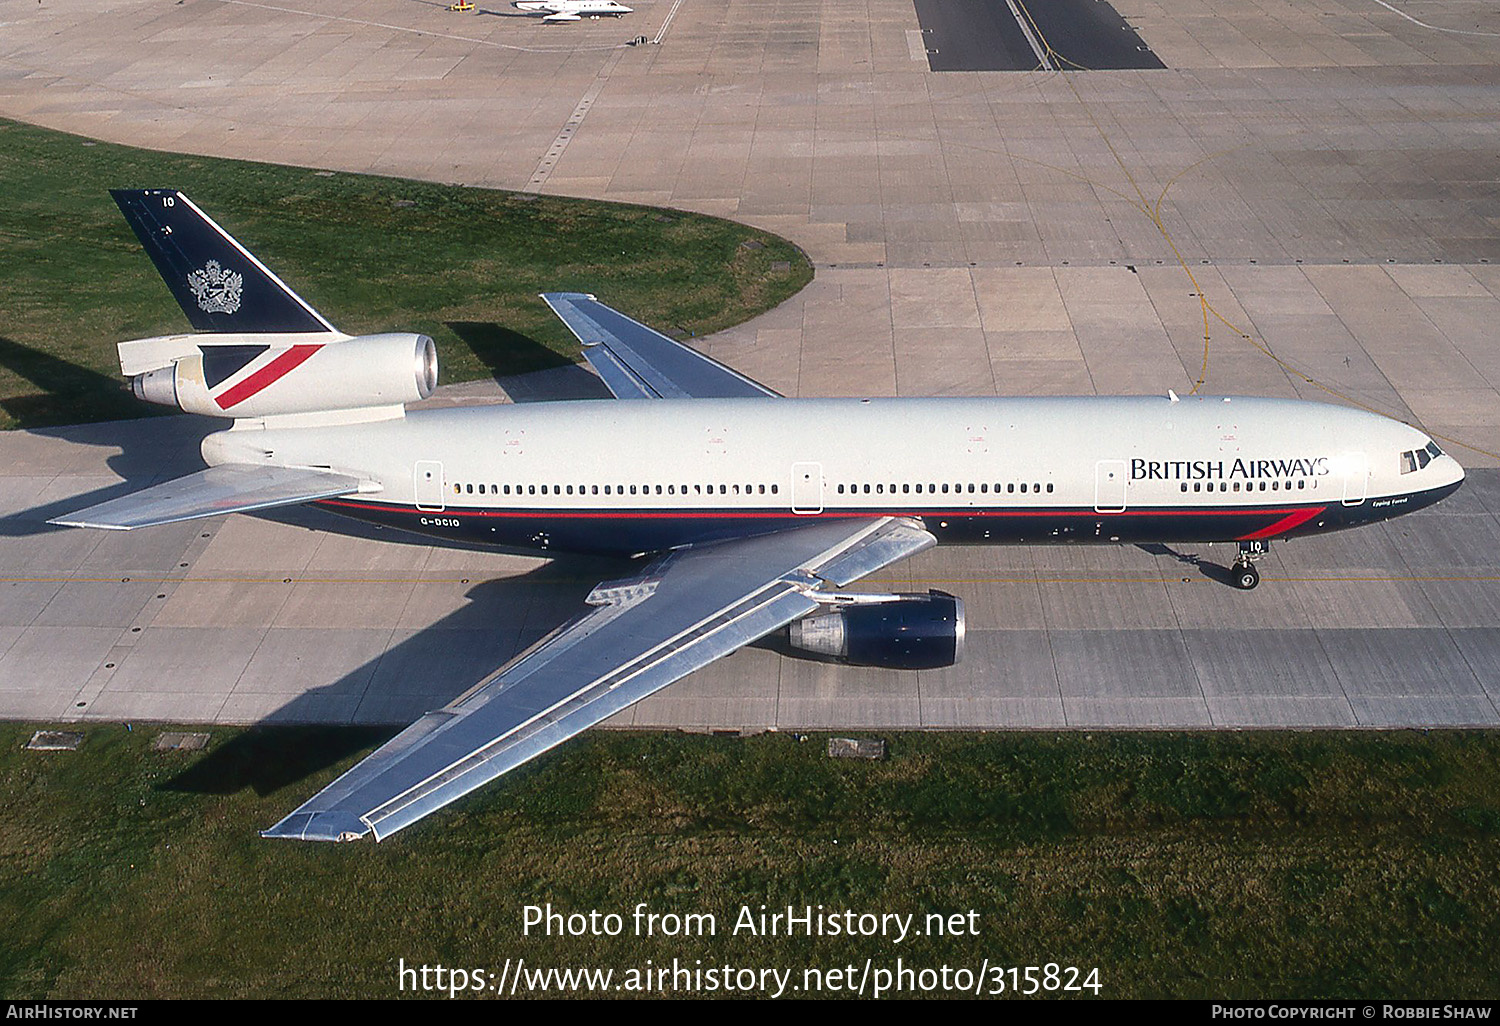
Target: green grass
pixel 1285 864
pixel 463 265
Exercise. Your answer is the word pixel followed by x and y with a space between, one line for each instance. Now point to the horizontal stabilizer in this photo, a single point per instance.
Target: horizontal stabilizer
pixel 232 488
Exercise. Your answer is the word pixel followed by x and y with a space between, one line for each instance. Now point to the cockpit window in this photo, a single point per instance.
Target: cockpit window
pixel 1408 462
pixel 1432 447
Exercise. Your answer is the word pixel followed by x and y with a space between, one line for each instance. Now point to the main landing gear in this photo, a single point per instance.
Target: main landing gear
pixel 1245 575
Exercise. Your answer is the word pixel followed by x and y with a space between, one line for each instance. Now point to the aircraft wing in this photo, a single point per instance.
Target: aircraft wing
pixel 637 362
pixel 230 488
pixel 684 611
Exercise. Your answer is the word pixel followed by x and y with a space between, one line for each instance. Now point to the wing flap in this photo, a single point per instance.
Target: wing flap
pixel 685 611
pixel 638 362
pixel 231 488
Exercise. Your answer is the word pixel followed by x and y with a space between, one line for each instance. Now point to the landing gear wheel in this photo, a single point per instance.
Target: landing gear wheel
pixel 1243 571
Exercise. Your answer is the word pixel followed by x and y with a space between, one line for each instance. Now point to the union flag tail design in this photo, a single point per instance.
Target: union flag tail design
pixel 218 283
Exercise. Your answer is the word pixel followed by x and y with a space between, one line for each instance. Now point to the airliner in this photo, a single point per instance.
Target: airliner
pixel 573 10
pixel 743 512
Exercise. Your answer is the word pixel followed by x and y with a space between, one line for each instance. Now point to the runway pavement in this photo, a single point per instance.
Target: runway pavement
pixel 1312 187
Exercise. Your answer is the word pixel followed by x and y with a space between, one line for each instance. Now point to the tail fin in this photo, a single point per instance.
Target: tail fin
pixel 217 282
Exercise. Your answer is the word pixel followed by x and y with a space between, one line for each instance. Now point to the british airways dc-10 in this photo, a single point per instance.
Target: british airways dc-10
pixel 750 511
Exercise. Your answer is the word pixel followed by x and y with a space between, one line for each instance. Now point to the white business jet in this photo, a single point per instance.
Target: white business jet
pixel 573 10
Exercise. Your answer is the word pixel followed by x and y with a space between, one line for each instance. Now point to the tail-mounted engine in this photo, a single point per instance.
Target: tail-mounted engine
pixel 269 375
pixel 903 632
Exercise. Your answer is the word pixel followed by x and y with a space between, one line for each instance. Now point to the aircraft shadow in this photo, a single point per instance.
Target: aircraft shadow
pixel 527 370
pixel 1213 571
pixel 500 619
pixel 65 392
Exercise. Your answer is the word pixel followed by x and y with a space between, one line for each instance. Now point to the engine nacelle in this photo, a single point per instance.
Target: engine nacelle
pixel 907 632
pixel 250 379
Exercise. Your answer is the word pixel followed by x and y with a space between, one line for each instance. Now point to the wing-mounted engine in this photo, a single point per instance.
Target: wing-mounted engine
pixel 903 632
pixel 260 375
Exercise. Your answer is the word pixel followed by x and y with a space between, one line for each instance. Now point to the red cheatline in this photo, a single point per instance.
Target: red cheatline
pixel 1286 523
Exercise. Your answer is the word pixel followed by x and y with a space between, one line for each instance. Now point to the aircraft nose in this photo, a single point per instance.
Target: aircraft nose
pixel 1457 474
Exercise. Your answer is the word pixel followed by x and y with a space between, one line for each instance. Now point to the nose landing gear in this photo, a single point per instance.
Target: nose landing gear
pixel 1244 573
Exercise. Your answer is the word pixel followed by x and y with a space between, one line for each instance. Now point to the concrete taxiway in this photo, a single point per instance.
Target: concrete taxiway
pixel 1304 202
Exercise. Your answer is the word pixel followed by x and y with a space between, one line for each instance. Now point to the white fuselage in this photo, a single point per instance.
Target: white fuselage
pixel 632 476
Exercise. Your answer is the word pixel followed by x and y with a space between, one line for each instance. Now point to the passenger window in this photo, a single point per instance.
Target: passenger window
pixel 945 488
pixel 1023 487
pixel 1049 489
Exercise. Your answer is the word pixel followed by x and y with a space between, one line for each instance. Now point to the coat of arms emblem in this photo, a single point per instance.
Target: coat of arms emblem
pixel 217 290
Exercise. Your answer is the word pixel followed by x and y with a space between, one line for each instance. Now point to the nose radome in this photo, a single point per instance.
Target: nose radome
pixel 1458 471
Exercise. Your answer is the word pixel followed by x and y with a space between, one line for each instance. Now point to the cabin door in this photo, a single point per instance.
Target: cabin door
pixel 807 488
pixel 427 483
pixel 1109 486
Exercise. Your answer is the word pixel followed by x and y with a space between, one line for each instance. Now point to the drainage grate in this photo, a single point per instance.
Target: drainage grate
pixel 855 748
pixel 180 741
pixel 54 741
